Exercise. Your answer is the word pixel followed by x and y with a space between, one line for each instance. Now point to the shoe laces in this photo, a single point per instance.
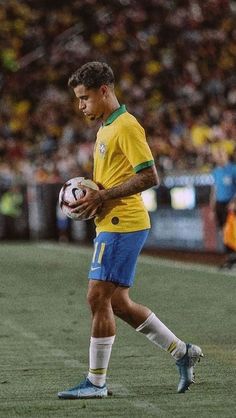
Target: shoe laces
pixel 81 385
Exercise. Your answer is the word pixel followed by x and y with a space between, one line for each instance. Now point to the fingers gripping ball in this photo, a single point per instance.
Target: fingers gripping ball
pixel 71 193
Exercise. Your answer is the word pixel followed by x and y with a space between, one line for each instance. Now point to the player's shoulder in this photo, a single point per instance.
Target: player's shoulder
pixel 129 121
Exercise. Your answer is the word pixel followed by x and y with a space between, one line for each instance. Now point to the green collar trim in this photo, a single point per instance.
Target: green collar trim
pixel 115 114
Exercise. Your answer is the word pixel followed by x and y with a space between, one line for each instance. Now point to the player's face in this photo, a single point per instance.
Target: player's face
pixel 91 101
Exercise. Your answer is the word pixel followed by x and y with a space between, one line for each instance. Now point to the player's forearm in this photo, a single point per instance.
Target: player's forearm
pixel 138 183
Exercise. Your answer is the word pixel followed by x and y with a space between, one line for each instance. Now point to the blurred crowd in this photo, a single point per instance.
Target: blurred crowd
pixel 174 63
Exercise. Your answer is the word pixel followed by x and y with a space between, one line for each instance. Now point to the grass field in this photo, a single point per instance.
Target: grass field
pixel 45 327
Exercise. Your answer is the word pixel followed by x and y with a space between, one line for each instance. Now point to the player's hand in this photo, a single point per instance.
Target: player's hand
pixel 89 205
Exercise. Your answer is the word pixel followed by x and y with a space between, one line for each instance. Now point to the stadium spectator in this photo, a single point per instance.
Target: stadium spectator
pixel 11 203
pixel 179 58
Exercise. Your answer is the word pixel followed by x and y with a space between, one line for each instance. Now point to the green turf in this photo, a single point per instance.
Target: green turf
pixel 45 327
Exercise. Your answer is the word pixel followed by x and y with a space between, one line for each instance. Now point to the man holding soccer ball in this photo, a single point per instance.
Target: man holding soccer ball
pixel 123 168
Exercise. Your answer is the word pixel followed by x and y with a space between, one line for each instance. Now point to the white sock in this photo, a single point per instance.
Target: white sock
pixel 160 335
pixel 99 356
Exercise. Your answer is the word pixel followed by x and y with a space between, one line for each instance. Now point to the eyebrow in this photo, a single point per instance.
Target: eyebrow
pixel 83 96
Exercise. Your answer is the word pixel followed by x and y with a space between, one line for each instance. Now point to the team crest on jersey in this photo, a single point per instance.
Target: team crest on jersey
pixel 102 149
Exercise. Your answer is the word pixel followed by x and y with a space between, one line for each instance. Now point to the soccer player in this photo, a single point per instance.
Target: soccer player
pixel 123 167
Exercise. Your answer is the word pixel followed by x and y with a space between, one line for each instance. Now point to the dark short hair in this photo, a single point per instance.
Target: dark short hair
pixel 92 75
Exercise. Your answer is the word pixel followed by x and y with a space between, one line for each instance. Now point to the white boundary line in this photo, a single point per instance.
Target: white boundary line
pixel 54 352
pixel 145 259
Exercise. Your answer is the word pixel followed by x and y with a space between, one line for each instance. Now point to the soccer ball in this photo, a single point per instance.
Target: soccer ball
pixel 72 193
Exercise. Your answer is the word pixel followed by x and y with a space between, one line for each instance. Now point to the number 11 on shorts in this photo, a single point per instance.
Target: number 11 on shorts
pixel 98 253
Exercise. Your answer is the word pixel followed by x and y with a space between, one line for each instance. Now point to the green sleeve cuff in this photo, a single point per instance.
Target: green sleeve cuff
pixel 141 166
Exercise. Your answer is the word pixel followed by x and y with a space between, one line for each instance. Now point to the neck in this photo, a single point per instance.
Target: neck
pixel 113 105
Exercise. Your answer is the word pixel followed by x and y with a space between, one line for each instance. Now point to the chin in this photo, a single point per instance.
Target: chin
pixel 90 117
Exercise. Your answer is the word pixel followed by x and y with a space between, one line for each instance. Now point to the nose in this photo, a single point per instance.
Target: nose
pixel 81 105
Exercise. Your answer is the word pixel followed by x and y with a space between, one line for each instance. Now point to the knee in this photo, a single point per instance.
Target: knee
pixel 97 300
pixel 93 298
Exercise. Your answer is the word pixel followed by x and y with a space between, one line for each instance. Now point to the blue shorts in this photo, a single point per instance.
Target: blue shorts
pixel 115 256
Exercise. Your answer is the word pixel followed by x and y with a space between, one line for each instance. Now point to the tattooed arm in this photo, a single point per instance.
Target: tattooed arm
pixel 94 199
pixel 141 181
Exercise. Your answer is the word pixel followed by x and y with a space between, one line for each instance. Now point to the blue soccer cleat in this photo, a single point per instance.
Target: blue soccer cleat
pixel 85 390
pixel 186 365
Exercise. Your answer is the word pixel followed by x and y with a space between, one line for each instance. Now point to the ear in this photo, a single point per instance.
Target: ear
pixel 104 90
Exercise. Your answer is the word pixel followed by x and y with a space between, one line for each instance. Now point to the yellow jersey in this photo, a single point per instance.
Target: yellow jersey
pixel 121 150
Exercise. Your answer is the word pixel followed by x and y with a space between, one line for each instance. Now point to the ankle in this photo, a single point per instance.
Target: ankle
pixel 179 351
